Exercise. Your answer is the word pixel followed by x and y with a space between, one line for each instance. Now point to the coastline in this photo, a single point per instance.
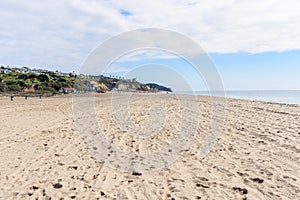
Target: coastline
pixel 275 96
pixel 7 95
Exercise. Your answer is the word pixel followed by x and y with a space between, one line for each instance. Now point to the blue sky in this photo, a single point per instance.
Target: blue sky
pixel 254 44
pixel 264 71
pixel 239 71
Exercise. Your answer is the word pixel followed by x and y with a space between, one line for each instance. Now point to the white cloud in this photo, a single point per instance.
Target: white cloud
pixel 225 26
pixel 62 33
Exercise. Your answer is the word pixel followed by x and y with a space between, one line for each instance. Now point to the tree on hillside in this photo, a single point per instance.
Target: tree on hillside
pixel 73 75
pixel 21 83
pixel 43 78
pixel 23 76
pixel 57 85
pixel 38 87
pixel 32 76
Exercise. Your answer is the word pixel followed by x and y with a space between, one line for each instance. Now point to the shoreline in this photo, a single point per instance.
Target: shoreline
pixel 277 96
pixel 158 93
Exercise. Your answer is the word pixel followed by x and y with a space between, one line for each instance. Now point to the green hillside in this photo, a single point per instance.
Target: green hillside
pixel 38 81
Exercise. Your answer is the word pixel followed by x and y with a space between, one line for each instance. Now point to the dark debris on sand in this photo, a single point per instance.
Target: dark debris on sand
pixel 134 173
pixel 257 180
pixel 241 190
pixel 57 185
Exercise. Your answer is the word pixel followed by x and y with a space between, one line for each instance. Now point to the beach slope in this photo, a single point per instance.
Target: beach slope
pixel 257 156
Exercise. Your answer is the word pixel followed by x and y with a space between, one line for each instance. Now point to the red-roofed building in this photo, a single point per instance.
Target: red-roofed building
pixel 66 90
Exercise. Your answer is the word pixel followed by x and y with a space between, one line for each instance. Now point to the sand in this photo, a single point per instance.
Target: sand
pixel 44 155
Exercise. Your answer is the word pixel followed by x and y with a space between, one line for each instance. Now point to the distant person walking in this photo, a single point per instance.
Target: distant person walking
pixel 26 97
pixel 12 98
pixel 41 96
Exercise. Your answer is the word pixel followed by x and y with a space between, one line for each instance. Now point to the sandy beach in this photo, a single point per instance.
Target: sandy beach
pixel 43 156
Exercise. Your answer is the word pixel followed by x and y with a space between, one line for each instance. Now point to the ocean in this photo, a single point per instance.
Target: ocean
pixel 277 96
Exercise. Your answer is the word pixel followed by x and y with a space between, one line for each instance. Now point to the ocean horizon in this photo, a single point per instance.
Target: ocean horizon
pixel 276 96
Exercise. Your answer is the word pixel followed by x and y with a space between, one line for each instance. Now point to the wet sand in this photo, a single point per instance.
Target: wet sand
pixel 43 156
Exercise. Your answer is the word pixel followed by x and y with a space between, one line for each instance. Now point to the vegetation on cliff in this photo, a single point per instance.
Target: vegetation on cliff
pixel 37 81
pixel 158 87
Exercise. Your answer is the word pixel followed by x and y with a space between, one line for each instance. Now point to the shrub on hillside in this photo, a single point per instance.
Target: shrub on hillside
pixel 14 88
pixel 3 87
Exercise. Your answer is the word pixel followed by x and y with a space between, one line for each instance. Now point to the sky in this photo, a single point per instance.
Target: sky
pixel 254 45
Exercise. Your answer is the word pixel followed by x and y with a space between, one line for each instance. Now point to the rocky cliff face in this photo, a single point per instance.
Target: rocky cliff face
pixel 131 86
pixel 158 87
pixel 108 84
pixel 98 85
